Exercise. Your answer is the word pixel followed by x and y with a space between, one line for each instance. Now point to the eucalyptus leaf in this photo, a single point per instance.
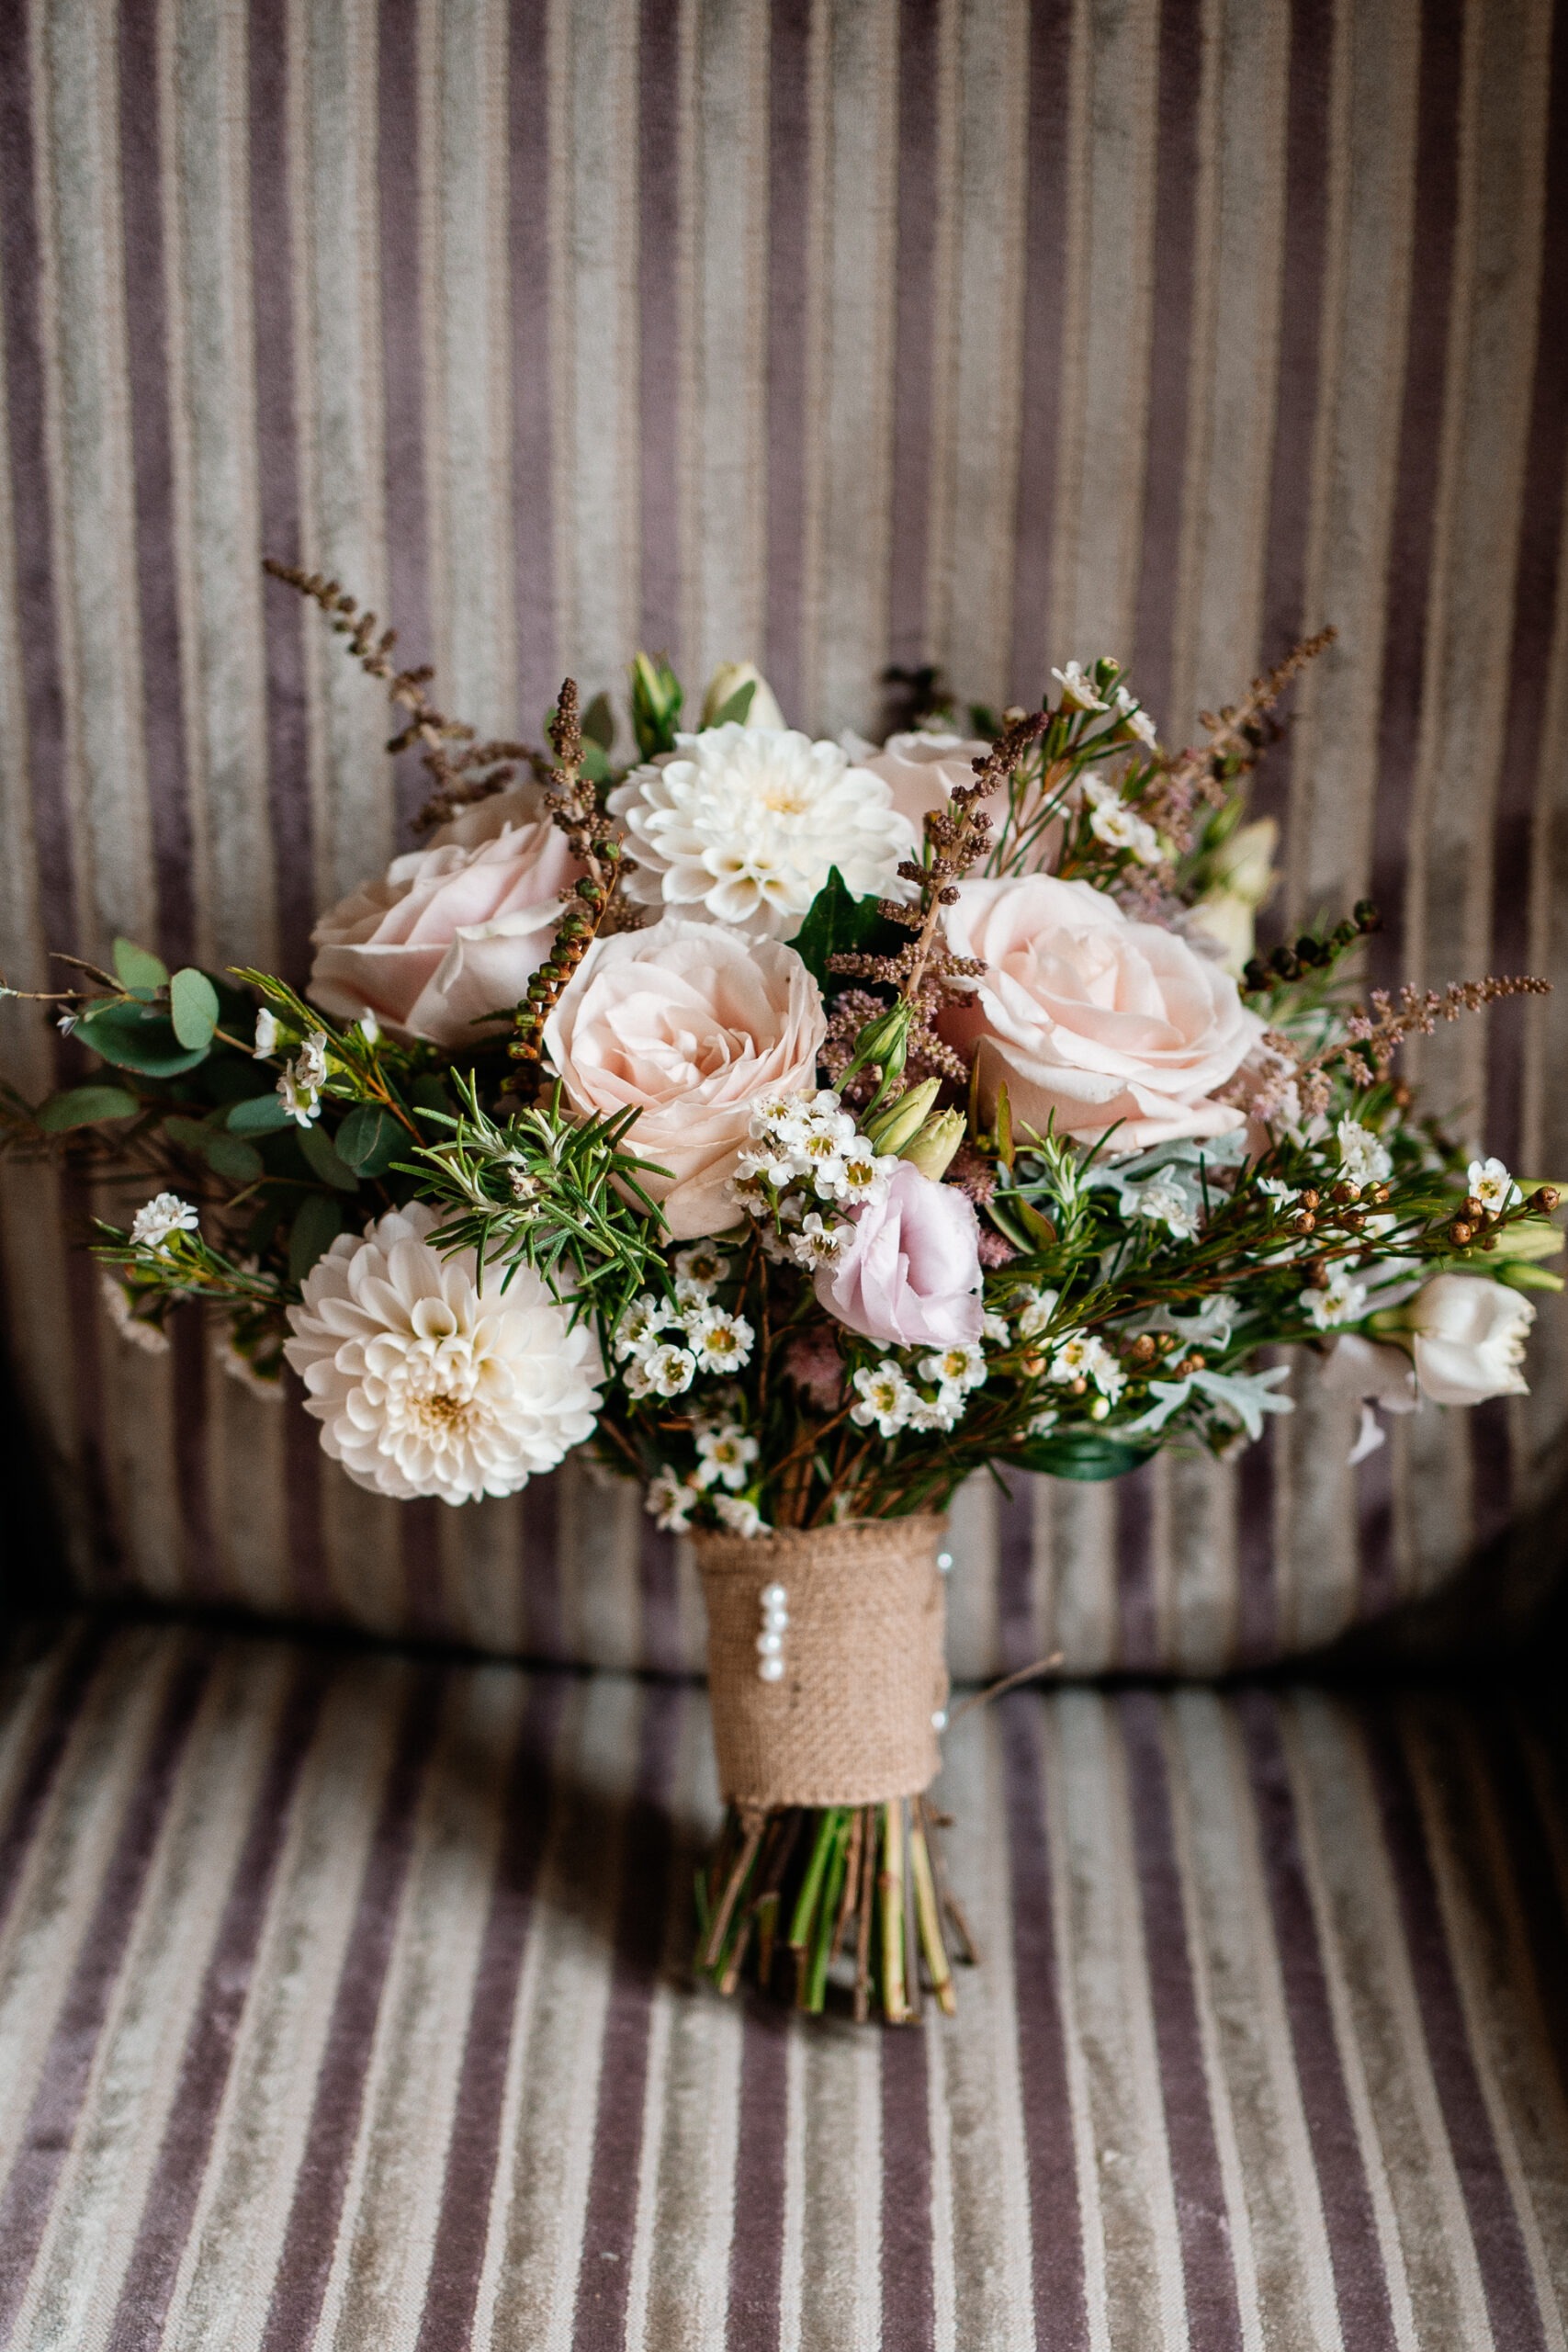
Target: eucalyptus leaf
pixel 1083 1454
pixel 595 763
pixel 140 970
pixel 193 1007
pixel 316 1226
pixel 324 1160
pixel 86 1106
pixel 259 1114
pixel 369 1139
pixel 599 723
pixel 224 1154
pixel 137 1039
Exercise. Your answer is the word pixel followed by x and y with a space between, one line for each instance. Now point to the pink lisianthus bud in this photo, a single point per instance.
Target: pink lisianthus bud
pixel 910 1273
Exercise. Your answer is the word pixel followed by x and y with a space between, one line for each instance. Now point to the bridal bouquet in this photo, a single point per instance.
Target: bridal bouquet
pixel 803 1126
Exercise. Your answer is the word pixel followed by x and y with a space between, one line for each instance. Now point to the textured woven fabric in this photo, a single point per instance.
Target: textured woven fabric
pixel 836 332
pixel 343 2004
pixel 849 1720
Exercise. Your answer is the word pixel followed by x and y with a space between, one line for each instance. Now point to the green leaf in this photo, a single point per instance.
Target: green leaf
pixel 1082 1453
pixel 259 1114
pixel 324 1160
pixel 136 1039
pixel 837 924
pixel 369 1139
pixel 599 723
pixel 315 1229
pixel 595 766
pixel 429 1094
pixel 736 708
pixel 193 1007
pixel 83 1106
pixel 143 973
pixel 225 1154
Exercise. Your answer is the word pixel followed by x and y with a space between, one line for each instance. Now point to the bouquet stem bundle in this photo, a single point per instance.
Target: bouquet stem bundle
pixel 804 1887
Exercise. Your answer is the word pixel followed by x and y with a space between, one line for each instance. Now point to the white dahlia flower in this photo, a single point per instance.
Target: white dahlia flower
pixel 429 1379
pixel 745 823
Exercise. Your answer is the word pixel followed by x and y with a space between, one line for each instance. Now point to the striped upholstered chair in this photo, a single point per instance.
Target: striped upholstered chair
pixel 344 1851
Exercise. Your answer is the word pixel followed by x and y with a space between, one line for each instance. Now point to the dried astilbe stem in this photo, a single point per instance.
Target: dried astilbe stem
pixel 1380 1032
pixel 459 778
pixel 574 807
pixel 1238 734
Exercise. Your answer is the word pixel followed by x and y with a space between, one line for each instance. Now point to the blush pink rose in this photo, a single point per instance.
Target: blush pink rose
pixel 921 770
pixel 451 933
pixel 691 1023
pixel 909 1275
pixel 1086 1016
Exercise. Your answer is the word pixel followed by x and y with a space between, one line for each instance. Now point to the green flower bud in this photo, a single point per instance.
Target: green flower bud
pixel 930 1152
pixel 884 1041
pixel 901 1121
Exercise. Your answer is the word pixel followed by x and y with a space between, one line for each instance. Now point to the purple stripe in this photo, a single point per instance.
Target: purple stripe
pixel 1044 298
pixel 609 2223
pixel 1258 1633
pixel 190 1357
pixel 1535 620
pixel 1176 206
pixel 658 302
pixel 1376 1562
pixel 789 240
pixel 300 2281
pixel 532 438
pixel 81 1656
pixel 919 83
pixel 545 1625
pixel 909 2286
pixel 68 2062
pixel 756 2248
pixel 424 1598
pixel 1526 1838
pixel 1359 2284
pixel 309 1581
pixel 402 357
pixel 278 483
pixel 1495 2225
pixel 1055 2234
pixel 1486 1431
pixel 85 1311
pixel 1302 270
pixel 659 1593
pixel 171 2198
pixel 1214 2311
pixel 1137 1602
pixel 1015 1572
pixel 26 397
pixel 453 2285
pixel 153 464
pixel 1408 581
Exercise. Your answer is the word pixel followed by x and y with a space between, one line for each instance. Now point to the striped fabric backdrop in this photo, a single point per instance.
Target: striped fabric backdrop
pixel 343 2004
pixel 838 332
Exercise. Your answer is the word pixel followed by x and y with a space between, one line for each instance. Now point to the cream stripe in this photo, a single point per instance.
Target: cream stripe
pixel 1316 1558
pixel 974 1643
pixel 848 598
pixel 248 1486
pixel 1282 2256
pixel 790 2263
pixel 541 2190
pixel 237 2231
pixel 680 2266
pixel 1131 2251
pixel 1487 1942
pixel 1204 1570
pixel 600 1530
pixel 982 2241
pixel 593 48
pixel 28 1688
pixel 1084 1549
pixel 1106 337
pixel 728 488
pixel 973 612
pixel 136 2065
pixel 341 456
pixel 480 1548
pixel 362 1537
pixel 213 384
pixel 1237 295
pixel 831 2281
pixel 62 1878
pixel 391 2207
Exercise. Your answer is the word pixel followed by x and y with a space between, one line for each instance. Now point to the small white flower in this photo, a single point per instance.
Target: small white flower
pixel 311 1063
pixel 1034 1308
pixel 163 1215
pixel 726 1453
pixel 994 1327
pixel 942 1412
pixel 302 1104
pixel 1492 1185
pixel 1363 1159
pixel 266 1035
pixel 720 1341
pixel 1138 721
pixel 1341 1301
pixel 886 1397
pixel 817 1244
pixel 65 1022
pixel 861 1176
pixel 639 1327
pixel 369 1027
pixel 149 1337
pixel 702 1267
pixel 740 1515
pixel 670 1501
pixel 1044 1422
pixel 772 1161
pixel 1120 827
pixel 1163 1201
pixel 662 1372
pixel 1275 1189
pixel 959 1367
pixel 1080 1357
pixel 779 1110
pixel 1077 691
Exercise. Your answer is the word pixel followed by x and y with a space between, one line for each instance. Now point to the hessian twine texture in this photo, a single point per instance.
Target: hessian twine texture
pixel 849 1720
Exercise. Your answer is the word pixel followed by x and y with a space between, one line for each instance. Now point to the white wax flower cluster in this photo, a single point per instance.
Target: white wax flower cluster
pixel 726 1454
pixel 807 1146
pixel 702 1337
pixel 887 1396
pixel 1074 1355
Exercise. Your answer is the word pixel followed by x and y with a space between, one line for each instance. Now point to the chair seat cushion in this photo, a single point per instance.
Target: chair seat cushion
pixel 342 2002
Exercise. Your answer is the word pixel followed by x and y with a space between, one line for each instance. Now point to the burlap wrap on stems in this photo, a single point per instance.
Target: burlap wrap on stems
pixel 850 1721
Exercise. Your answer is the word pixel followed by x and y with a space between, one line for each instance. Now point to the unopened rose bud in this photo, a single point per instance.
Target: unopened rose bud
pixel 900 1121
pixel 932 1150
pixel 724 686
